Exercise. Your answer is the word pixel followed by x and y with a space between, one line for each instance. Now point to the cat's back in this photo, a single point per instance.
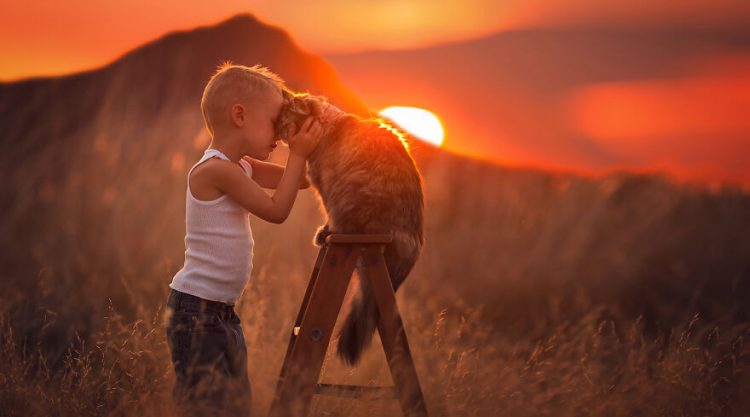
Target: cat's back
pixel 369 167
pixel 370 144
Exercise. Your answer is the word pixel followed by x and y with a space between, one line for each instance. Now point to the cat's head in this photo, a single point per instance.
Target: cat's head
pixel 295 109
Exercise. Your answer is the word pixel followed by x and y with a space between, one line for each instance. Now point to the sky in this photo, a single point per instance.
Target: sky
pixel 53 37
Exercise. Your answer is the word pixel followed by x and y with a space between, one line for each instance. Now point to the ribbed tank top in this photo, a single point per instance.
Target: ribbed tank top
pixel 218 244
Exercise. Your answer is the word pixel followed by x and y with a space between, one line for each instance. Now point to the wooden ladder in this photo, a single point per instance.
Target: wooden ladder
pixel 311 333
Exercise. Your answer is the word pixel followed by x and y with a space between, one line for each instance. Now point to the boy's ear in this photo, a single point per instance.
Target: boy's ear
pixel 238 114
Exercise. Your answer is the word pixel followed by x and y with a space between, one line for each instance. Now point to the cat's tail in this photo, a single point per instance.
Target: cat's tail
pixel 359 326
pixel 362 320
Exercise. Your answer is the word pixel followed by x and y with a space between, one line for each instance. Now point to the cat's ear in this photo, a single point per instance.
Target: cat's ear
pixel 286 116
pixel 300 106
pixel 295 110
pixel 318 107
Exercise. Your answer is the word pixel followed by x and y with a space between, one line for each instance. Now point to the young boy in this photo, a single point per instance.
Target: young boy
pixel 239 106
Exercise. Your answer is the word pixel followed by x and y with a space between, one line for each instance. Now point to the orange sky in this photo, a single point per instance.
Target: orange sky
pixel 47 37
pixel 659 123
pixel 695 126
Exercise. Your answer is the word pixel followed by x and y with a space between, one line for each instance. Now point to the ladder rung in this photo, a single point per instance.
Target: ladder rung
pixel 345 238
pixel 355 391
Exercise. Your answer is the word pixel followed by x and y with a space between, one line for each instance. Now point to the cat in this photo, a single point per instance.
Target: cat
pixel 368 183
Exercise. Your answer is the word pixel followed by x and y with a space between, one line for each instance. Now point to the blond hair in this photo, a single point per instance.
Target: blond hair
pixel 232 84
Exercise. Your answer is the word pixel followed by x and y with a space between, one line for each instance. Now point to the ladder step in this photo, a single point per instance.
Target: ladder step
pixel 355 391
pixel 345 238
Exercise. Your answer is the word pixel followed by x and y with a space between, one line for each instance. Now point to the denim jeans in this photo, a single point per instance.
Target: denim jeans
pixel 209 356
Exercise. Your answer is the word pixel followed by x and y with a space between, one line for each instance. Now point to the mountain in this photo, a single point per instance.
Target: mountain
pixel 512 96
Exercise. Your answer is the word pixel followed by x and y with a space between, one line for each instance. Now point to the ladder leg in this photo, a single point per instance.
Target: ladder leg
pixel 303 306
pixel 393 335
pixel 305 357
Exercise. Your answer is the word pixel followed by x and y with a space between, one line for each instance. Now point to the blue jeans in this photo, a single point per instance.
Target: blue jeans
pixel 209 356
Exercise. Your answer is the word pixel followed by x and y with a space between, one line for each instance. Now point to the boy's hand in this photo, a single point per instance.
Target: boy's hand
pixel 305 141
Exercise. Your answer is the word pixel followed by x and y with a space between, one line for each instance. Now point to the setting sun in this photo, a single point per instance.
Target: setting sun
pixel 418 122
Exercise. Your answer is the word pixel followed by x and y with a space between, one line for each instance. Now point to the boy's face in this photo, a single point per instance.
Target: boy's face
pixel 259 134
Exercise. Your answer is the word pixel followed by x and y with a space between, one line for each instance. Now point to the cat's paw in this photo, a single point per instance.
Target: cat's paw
pixel 321 235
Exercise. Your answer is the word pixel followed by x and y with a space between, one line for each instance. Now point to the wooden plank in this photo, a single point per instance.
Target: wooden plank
pixel 393 335
pixel 297 386
pixel 356 391
pixel 303 307
pixel 345 238
pixel 311 284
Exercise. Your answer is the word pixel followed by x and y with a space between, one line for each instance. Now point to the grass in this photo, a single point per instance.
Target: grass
pixel 536 294
pixel 468 367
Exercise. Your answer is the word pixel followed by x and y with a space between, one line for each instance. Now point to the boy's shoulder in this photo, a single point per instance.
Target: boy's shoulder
pixel 215 165
pixel 204 177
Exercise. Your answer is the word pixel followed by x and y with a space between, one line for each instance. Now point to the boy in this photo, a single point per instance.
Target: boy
pixel 239 106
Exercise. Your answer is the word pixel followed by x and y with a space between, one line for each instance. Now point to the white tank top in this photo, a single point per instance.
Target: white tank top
pixel 218 244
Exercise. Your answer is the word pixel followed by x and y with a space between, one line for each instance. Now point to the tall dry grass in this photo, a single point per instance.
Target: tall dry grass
pixel 468 367
pixel 537 293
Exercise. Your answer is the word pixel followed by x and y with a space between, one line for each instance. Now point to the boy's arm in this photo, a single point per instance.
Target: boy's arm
pixel 268 174
pixel 275 208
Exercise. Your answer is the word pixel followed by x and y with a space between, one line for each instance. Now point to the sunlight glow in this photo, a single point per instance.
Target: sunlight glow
pixel 418 122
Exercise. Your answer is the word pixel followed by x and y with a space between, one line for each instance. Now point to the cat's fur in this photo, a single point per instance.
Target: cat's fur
pixel 368 183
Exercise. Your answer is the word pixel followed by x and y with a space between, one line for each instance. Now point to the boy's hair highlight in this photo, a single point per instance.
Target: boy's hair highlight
pixel 233 83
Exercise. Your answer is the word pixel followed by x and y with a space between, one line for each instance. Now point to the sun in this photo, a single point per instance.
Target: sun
pixel 418 122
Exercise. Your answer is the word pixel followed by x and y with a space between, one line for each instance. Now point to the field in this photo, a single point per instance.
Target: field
pixel 537 293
